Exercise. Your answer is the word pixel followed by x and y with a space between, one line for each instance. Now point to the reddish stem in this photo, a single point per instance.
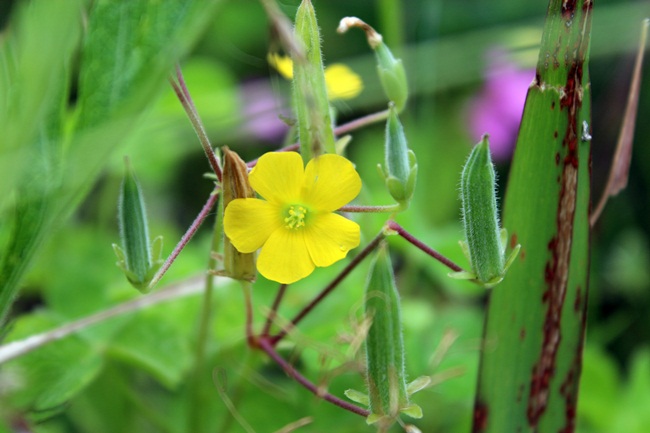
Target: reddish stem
pixel 331 286
pixel 274 310
pixel 184 96
pixel 339 130
pixel 205 211
pixel 267 346
pixel 430 251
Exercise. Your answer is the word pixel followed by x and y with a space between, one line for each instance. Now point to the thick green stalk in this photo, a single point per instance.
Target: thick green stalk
pixel 531 361
pixel 309 89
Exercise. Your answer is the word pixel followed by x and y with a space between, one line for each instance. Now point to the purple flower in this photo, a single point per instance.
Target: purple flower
pixel 261 111
pixel 498 107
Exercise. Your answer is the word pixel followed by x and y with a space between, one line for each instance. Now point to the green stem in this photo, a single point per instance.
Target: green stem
pixel 390 208
pixel 197 379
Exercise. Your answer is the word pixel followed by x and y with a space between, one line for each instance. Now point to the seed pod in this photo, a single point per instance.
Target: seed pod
pixel 135 254
pixel 480 215
pixel 235 184
pixel 401 166
pixel 384 344
pixel 309 89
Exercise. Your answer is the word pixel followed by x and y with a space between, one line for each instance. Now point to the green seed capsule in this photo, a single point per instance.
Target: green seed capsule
pixel 392 76
pixel 309 89
pixel 480 214
pixel 135 254
pixel 400 164
pixel 384 344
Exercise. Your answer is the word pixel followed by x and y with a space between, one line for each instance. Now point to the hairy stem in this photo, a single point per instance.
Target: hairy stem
pixel 185 98
pixel 205 211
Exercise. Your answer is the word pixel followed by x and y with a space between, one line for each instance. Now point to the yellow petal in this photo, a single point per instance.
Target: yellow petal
pixel 342 82
pixel 248 223
pixel 282 64
pixel 330 182
pixel 284 257
pixel 329 237
pixel 278 176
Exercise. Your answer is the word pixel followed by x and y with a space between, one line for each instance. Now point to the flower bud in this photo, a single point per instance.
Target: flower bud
pixel 135 254
pixel 235 184
pixel 480 214
pixel 401 166
pixel 385 374
pixel 309 88
pixel 391 70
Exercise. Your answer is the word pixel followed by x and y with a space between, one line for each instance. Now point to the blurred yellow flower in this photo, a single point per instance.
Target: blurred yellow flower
pixel 294 225
pixel 342 82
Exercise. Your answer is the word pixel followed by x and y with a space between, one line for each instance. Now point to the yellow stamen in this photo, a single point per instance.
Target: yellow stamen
pixel 296 218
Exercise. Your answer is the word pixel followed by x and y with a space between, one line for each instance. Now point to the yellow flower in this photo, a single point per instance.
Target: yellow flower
pixel 295 226
pixel 342 82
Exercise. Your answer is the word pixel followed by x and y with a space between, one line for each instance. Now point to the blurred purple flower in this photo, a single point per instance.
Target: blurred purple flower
pixel 498 107
pixel 261 111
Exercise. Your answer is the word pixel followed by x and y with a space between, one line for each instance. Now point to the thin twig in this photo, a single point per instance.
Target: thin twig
pixel 339 130
pixel 205 211
pixel 267 346
pixel 185 98
pixel 274 310
pixel 390 208
pixel 361 122
pixel 18 348
pixel 430 251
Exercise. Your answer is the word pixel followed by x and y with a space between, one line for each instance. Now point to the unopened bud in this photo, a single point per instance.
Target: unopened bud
pixel 135 255
pixel 240 266
pixel 310 99
pixel 391 70
pixel 401 165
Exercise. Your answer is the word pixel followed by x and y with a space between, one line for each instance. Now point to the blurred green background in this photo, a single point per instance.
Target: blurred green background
pixel 130 373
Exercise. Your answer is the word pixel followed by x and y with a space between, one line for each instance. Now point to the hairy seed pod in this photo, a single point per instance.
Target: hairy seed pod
pixel 135 254
pixel 384 343
pixel 480 214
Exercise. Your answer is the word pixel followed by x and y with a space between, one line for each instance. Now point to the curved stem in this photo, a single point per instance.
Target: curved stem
pixel 267 346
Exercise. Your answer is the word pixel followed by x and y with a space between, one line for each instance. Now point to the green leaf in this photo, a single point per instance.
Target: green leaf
pixel 35 63
pixel 48 377
pixel 154 343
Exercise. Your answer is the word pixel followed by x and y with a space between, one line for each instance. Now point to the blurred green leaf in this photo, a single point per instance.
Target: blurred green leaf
pixel 152 342
pixel 48 377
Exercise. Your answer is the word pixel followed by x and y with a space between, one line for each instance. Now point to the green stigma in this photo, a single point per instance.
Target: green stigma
pixel 296 217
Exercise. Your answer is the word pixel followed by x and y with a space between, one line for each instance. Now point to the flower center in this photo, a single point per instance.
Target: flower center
pixel 295 217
